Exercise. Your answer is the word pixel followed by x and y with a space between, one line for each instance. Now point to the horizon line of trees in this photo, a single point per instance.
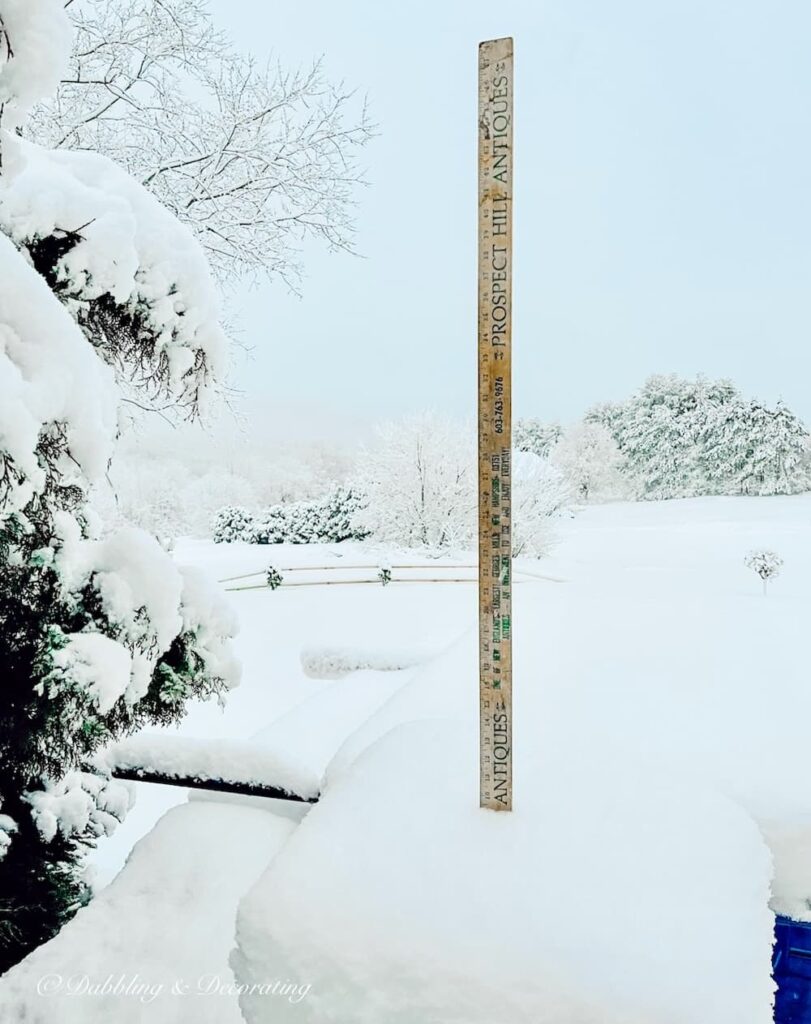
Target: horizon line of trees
pixel 678 437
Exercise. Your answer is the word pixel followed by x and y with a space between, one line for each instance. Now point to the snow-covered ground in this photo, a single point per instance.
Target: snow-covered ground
pixel 662 797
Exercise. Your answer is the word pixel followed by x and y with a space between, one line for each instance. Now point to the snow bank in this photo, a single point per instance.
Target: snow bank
pixel 313 731
pixel 334 662
pixel 248 763
pixel 608 896
pixel 158 937
pixel 661 717
pixel 637 893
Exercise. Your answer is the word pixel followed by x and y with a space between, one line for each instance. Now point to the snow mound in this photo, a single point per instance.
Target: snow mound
pixel 158 937
pixel 335 662
pixel 399 900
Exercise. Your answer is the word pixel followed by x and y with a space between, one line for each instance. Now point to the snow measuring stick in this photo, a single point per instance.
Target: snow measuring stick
pixel 495 427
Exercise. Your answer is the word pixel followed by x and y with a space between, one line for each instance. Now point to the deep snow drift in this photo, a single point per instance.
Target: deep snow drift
pixel 661 749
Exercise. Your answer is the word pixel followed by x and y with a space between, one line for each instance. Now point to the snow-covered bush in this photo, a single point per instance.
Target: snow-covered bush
pixel 232 524
pixel 680 438
pixel 589 458
pixel 767 564
pixel 329 520
pixel 101 292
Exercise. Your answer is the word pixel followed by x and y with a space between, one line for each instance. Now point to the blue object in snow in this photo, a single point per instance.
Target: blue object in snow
pixel 791 967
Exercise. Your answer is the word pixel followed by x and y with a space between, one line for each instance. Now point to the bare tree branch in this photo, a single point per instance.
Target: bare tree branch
pixel 253 158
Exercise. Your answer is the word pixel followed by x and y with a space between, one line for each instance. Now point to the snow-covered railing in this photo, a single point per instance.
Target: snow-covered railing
pixel 224 766
pixel 275 577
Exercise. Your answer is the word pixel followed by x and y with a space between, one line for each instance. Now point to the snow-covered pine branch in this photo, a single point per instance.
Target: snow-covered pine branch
pixel 252 157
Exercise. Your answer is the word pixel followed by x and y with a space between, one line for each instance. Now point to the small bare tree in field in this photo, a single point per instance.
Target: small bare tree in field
pixel 767 564
pixel 252 157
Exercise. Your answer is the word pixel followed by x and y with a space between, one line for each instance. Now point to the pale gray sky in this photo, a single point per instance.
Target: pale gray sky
pixel 663 204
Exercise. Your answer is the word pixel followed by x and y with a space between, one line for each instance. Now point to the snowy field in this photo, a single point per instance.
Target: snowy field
pixel 662 796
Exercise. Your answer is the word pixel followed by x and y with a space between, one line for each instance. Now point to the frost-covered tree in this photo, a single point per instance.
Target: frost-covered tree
pixel 589 458
pixel 419 480
pixel 540 494
pixel 101 292
pixel 767 565
pixel 252 157
pixel 536 436
pixel 419 477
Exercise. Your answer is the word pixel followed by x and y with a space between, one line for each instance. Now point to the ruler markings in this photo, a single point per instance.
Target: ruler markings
pixel 495 429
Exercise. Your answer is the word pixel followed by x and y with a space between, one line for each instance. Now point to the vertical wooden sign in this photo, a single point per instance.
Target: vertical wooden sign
pixel 495 425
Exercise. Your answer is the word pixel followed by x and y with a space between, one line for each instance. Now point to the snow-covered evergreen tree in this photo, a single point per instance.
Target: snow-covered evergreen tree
pixel 536 436
pixel 102 294
pixel 761 451
pixel 681 437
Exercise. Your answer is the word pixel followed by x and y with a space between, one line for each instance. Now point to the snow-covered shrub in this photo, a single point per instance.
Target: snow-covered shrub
pixel 328 520
pixel 273 577
pixel 589 458
pixel 101 292
pixel 767 564
pixel 338 514
pixel 232 524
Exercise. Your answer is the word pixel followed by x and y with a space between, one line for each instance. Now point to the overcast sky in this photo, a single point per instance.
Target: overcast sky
pixel 662 209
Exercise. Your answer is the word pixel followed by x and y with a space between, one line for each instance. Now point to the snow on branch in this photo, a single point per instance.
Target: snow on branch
pixel 211 764
pixel 35 43
pixel 57 399
pixel 252 157
pixel 134 278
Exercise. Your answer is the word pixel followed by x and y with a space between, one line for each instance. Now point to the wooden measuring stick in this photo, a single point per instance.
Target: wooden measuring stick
pixel 495 428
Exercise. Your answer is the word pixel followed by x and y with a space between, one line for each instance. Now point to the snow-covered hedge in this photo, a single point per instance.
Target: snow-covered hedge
pixel 329 520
